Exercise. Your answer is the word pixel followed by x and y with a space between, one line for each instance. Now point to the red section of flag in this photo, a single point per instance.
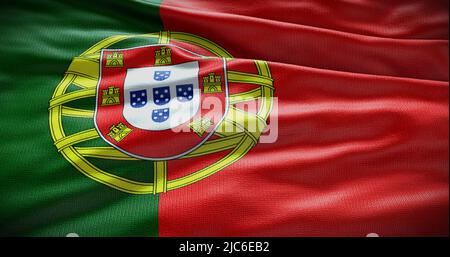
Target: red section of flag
pixel 356 153
pixel 348 48
pixel 150 143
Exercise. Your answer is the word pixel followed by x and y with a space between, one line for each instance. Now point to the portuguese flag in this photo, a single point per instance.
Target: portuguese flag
pixel 224 118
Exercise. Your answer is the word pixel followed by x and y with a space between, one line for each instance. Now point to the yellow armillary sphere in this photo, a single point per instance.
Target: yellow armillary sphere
pixel 81 82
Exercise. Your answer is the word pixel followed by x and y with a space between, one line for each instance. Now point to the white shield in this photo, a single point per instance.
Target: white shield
pixel 158 102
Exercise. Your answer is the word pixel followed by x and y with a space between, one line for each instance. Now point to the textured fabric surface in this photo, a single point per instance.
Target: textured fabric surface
pixel 363 121
pixel 362 146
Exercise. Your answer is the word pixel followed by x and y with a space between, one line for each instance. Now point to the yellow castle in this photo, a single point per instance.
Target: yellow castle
pixel 110 96
pixel 119 131
pixel 114 60
pixel 212 83
pixel 163 56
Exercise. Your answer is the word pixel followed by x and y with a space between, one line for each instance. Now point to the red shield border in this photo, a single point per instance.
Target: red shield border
pixel 156 145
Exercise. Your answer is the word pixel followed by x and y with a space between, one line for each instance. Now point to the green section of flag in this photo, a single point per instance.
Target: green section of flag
pixel 41 193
